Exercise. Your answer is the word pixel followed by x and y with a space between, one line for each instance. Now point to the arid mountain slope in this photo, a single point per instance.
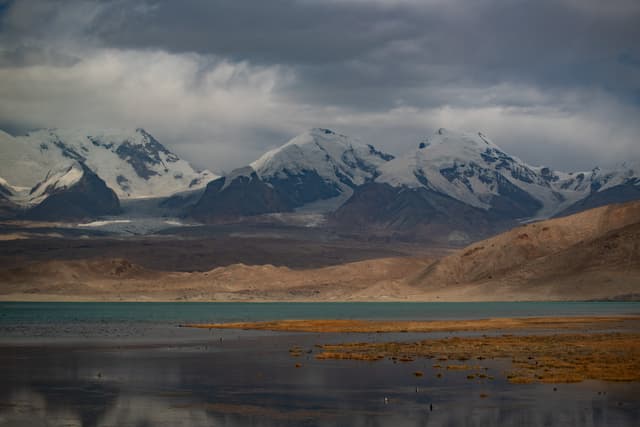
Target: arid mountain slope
pixel 577 257
pixel 591 255
pixel 117 279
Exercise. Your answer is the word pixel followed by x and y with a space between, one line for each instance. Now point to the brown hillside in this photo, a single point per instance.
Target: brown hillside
pixel 108 280
pixel 561 256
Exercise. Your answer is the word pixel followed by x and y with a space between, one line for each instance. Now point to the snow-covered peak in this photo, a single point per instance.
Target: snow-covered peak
pixel 468 167
pixel 471 168
pixel 448 146
pixel 599 179
pixel 132 163
pixel 446 150
pixel 334 157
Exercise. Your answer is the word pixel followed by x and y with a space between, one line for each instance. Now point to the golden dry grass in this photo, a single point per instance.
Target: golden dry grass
pixel 613 354
pixel 366 326
pixel 534 358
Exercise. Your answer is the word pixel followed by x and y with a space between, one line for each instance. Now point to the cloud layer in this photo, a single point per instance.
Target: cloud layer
pixel 555 82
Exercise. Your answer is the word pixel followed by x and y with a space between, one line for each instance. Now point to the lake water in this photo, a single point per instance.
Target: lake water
pixel 129 364
pixel 62 312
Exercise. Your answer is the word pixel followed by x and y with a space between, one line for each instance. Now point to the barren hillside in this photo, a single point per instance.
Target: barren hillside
pixel 593 254
pixel 117 279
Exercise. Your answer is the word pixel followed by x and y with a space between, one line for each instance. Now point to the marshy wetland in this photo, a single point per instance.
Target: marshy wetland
pixel 98 368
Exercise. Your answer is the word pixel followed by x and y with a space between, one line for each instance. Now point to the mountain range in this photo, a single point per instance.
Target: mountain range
pixel 453 186
pixel 121 165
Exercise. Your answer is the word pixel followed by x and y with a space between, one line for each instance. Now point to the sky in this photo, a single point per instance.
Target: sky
pixel 555 82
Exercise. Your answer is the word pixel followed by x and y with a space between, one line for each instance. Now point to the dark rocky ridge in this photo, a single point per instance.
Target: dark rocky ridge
pixel 303 187
pixel 245 195
pixel 8 208
pixel 412 214
pixel 88 198
pixel 140 156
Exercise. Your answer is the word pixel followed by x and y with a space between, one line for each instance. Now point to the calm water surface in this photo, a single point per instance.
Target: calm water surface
pixel 128 364
pixel 229 312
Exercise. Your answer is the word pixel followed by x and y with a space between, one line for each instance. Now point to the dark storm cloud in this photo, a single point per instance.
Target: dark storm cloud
pixel 228 79
pixel 372 53
pixel 275 31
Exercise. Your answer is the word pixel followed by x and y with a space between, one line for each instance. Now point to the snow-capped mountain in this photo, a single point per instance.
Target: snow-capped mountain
pixel 134 164
pixel 68 193
pixel 600 187
pixel 474 170
pixel 319 168
pixel 321 154
pixel 453 181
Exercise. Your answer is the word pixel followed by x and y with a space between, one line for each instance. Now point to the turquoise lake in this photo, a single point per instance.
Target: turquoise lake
pixel 129 364
pixel 65 312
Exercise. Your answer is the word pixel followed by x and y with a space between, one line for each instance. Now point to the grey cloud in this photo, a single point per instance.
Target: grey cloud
pixel 24 56
pixel 371 54
pixel 352 48
pixel 277 31
pixel 224 80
